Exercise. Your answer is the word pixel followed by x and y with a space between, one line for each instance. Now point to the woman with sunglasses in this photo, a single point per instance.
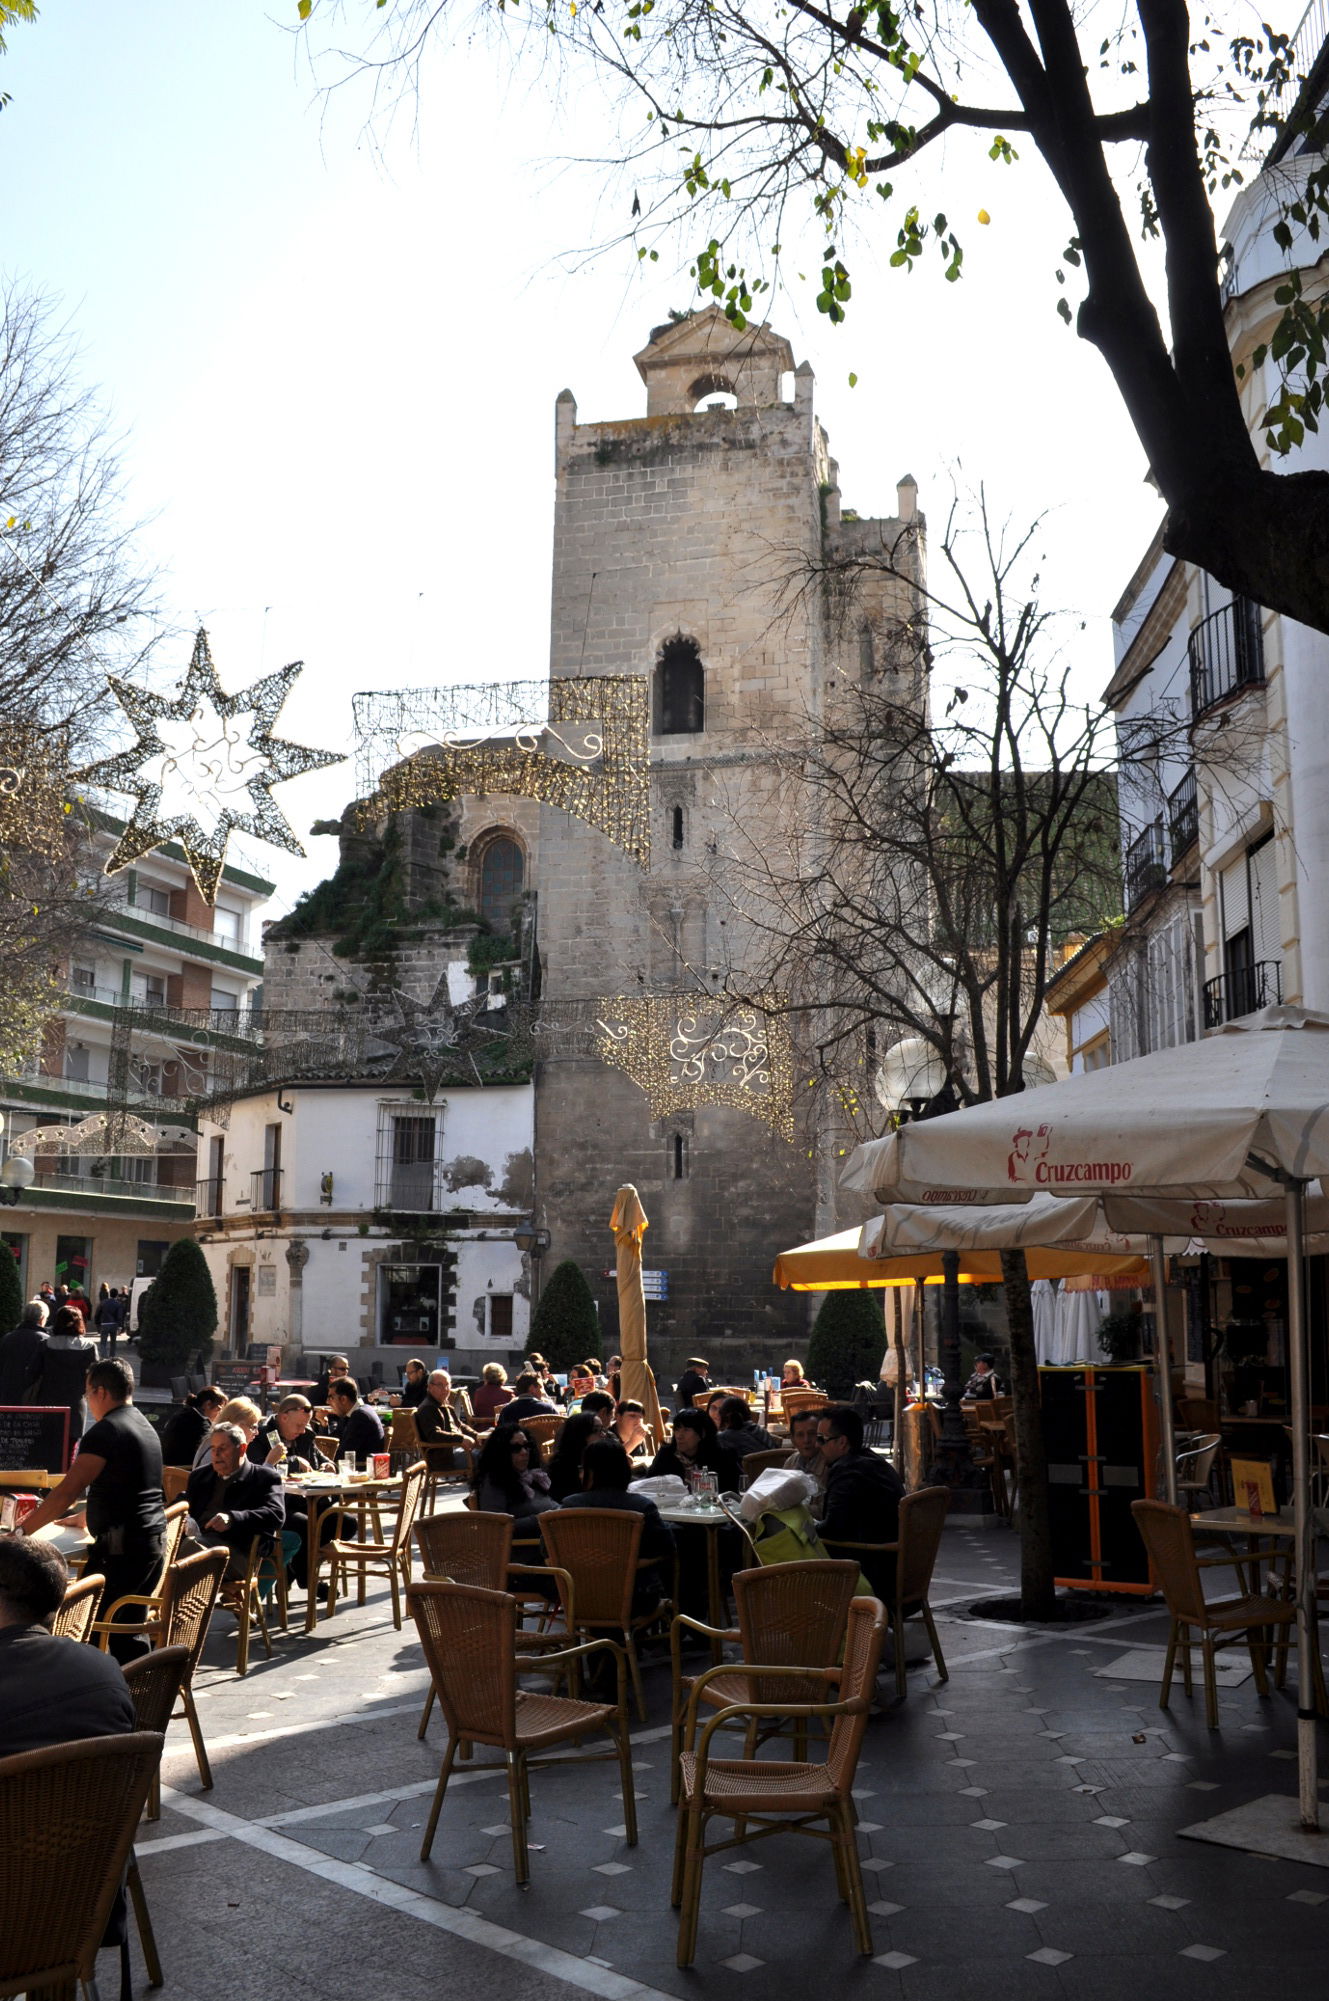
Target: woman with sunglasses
pixel 508 1478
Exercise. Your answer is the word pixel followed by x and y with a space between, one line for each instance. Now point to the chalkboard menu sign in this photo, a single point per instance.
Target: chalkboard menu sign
pixel 34 1435
pixel 234 1377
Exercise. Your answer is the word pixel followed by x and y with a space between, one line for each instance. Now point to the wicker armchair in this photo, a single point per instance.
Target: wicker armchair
pixel 390 1558
pixel 149 1602
pixel 543 1431
pixel 67 1820
pixel 73 1620
pixel 476 1548
pixel 468 1636
pixel 243 1596
pixel 759 1462
pixel 155 1682
pixel 922 1519
pixel 1170 1541
pixel 764 1797
pixel 600 1548
pixel 789 1615
pixel 174 1481
pixel 192 1586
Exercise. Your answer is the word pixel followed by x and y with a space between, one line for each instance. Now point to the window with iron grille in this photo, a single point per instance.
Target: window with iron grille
pixel 408 1159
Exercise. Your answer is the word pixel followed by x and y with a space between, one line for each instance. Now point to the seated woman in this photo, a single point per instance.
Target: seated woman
pixel 565 1466
pixel 629 1427
pixel 792 1377
pixel 692 1448
pixel 488 1400
pixel 244 1412
pixel 185 1432
pixel 506 1481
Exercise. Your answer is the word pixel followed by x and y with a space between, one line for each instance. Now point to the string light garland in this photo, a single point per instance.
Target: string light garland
pixel 581 743
pixel 112 1132
pixel 684 1053
pixel 204 764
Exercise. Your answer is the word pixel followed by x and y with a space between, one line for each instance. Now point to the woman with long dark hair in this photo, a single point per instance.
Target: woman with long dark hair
pixel 67 1357
pixel 508 1479
pixel 692 1448
pixel 565 1466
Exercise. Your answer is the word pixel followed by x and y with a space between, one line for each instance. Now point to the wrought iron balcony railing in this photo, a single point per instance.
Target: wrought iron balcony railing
pixel 1183 816
pixel 208 1196
pixel 1146 864
pixel 1242 991
pixel 265 1188
pixel 1226 652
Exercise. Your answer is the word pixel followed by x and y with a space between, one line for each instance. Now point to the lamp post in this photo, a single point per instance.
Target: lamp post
pixel 16 1176
pixel 532 1242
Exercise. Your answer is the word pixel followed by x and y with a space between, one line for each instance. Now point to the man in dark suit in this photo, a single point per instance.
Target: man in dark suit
pixel 694 1382
pixel 863 1494
pixel 51 1690
pixel 21 1354
pixel 233 1500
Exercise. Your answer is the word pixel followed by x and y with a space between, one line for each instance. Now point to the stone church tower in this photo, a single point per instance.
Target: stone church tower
pixel 681 540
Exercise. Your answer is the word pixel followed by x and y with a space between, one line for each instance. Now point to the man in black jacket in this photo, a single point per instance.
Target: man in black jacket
pixel 863 1494
pixel 233 1500
pixel 21 1354
pixel 694 1382
pixel 51 1690
pixel 361 1427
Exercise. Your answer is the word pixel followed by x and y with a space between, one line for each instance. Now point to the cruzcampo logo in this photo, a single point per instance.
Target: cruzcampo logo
pixel 1028 1162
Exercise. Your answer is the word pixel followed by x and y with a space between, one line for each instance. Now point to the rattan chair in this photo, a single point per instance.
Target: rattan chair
pixel 765 1796
pixel 174 1481
pixel 155 1681
pixel 600 1548
pixel 192 1586
pixel 242 1597
pixel 471 1547
pixel 67 1820
pixel 150 1602
pixel 543 1431
pixel 390 1558
pixel 468 1636
pixel 1195 1470
pixel 922 1519
pixel 758 1462
pixel 792 1401
pixel 74 1617
pixel 789 1615
pixel 1170 1541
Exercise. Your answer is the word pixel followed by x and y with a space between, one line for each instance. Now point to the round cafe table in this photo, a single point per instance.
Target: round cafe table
pixel 683 1515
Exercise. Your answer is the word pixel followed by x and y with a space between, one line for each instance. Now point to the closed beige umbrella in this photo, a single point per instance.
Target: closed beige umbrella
pixel 629 1226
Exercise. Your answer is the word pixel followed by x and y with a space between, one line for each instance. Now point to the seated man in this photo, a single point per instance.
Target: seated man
pixel 983 1384
pixel 361 1429
pixel 447 1441
pixel 863 1495
pixel 234 1499
pixel 529 1401
pixel 739 1435
pixel 51 1690
pixel 806 1455
pixel 599 1405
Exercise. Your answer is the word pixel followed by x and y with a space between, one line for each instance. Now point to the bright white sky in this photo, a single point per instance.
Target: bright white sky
pixel 336 372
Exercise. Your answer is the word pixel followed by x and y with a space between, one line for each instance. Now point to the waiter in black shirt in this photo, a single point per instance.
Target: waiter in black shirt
pixel 119 1464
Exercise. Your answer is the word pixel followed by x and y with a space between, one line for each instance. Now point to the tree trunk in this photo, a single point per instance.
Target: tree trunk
pixel 1037 1590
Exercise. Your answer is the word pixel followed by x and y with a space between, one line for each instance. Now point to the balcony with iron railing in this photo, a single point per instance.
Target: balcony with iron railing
pixel 208 1196
pixel 1242 991
pixel 112 1184
pixel 1183 816
pixel 1146 864
pixel 1226 654
pixel 265 1189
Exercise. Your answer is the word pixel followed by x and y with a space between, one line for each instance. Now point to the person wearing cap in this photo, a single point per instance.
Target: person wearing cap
pixel 694 1382
pixel 983 1384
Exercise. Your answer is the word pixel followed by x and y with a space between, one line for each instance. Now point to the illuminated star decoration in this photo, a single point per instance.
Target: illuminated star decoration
pixel 203 764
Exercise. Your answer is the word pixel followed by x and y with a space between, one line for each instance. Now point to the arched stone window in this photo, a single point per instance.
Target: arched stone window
pixel 680 689
pixel 713 392
pixel 502 874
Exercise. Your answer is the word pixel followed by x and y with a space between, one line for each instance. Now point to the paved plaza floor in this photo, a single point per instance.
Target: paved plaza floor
pixel 1021 1827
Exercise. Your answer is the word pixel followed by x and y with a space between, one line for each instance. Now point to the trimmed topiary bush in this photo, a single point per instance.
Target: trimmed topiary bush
pixel 177 1315
pixel 848 1342
pixel 565 1327
pixel 11 1292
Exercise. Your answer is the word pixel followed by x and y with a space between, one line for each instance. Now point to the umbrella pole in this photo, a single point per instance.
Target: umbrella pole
pixel 1163 1358
pixel 1307 1773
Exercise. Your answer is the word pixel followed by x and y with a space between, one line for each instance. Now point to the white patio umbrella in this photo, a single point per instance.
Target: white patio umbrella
pixel 1079 1317
pixel 1043 1298
pixel 1243 1111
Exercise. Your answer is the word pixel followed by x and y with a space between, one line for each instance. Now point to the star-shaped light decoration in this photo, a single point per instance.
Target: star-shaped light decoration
pixel 204 763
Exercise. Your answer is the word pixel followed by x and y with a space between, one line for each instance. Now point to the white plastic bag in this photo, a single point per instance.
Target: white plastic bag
pixel 779 1487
